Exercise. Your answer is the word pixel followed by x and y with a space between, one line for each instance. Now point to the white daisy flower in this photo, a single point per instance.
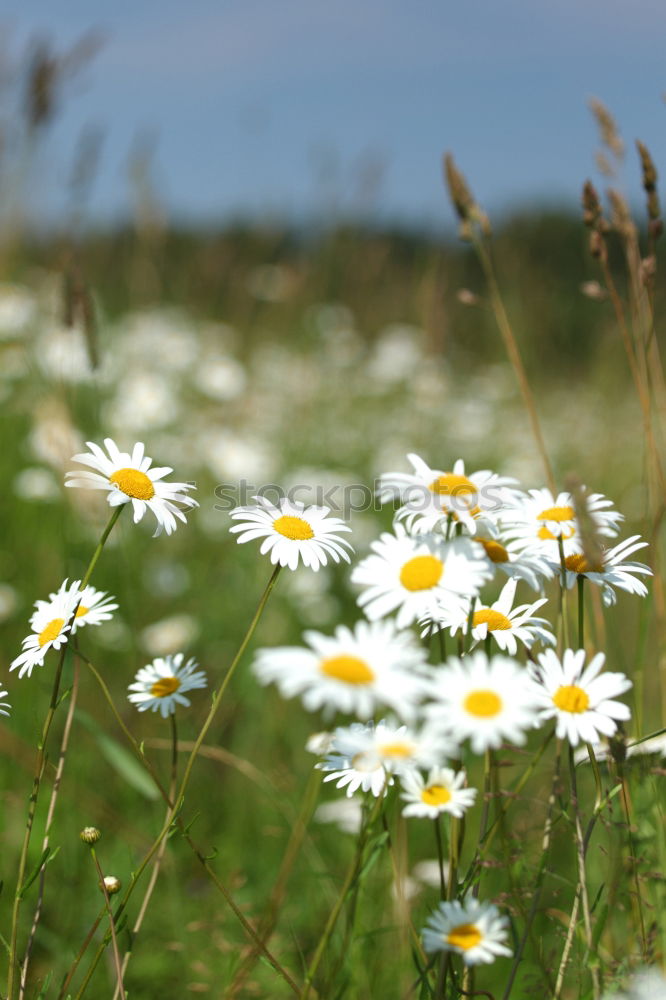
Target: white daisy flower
pixel 443 791
pixel 530 566
pixel 472 929
pixel 417 577
pixel 612 570
pixel 351 671
pixel 432 496
pixel 50 624
pixel 95 606
pixel 352 766
pixel 540 520
pixel 396 748
pixel 507 625
pixel 487 701
pixel 162 684
pixel 577 697
pixel 293 532
pixel 129 478
pixel 4 704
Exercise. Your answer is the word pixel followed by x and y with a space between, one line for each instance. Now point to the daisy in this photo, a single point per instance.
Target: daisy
pixel 396 748
pixel 612 570
pixel 540 520
pixel 353 764
pixel 432 497
pixel 292 531
pixel 95 606
pixel 162 684
pixel 507 625
pixel 442 791
pixel 129 478
pixel 417 577
pixel 579 699
pixel 530 566
pixel 351 671
pixel 4 704
pixel 50 624
pixel 472 929
pixel 488 701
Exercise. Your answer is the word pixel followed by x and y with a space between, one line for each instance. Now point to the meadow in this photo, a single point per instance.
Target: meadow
pixel 319 359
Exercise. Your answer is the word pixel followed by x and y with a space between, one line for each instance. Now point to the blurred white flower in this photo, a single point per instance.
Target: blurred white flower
pixel 36 484
pixel 8 601
pixel 144 400
pixel 221 378
pixel 63 354
pixel 169 634
pixel 346 813
pixel 18 310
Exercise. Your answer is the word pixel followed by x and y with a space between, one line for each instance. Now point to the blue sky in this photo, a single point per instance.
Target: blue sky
pixel 276 106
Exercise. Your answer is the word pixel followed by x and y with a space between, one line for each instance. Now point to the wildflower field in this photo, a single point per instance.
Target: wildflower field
pixel 333 613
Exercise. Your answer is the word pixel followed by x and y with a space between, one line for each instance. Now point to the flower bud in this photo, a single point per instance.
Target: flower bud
pixel 111 884
pixel 90 835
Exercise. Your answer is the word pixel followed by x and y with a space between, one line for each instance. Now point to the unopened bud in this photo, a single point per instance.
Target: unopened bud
pixel 111 884
pixel 90 835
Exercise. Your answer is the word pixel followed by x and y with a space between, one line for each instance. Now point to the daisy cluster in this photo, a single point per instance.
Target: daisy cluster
pixel 461 545
pixel 127 478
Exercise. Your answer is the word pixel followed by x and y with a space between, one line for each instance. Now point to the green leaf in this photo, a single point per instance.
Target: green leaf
pixel 34 873
pixel 121 760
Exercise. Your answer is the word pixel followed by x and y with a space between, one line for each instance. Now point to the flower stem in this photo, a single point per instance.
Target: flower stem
pixel 581 612
pixel 158 858
pixel 39 772
pixel 112 926
pixel 352 874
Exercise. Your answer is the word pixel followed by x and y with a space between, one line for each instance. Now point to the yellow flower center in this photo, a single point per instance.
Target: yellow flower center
pixel 51 632
pixel 577 563
pixel 571 698
pixel 421 573
pixel 435 795
pixel 483 704
pixel 348 669
pixel 464 936
pixel 495 552
pixel 133 484
pixel 452 485
pixel 294 528
pixel 396 750
pixel 495 620
pixel 559 515
pixel 81 611
pixel 164 687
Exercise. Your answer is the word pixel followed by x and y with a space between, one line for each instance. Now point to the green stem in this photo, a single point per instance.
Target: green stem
pixel 112 926
pixel 440 858
pixel 80 953
pixel 564 621
pixel 581 612
pixel 352 874
pixel 484 816
pixel 39 771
